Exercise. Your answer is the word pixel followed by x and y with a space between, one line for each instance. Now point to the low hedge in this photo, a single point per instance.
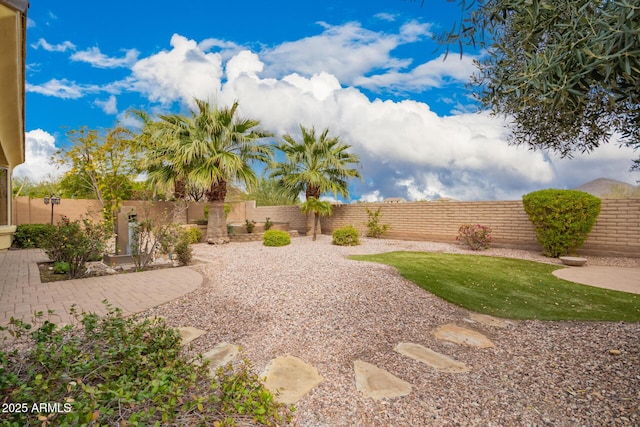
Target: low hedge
pixel 32 235
pixel 276 238
pixel 346 236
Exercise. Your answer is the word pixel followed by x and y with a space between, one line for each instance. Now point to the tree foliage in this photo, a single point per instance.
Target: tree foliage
pixel 205 151
pixel 102 166
pixel 567 73
pixel 315 165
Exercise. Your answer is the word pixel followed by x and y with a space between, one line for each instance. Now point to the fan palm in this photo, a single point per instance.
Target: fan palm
pixel 315 165
pixel 318 208
pixel 207 150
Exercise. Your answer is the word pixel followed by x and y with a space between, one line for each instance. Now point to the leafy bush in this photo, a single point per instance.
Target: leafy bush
pixel 184 251
pixel 374 228
pixel 475 236
pixel 75 243
pixel 61 267
pixel 276 238
pixel 193 234
pixel 32 235
pixel 146 379
pixel 562 219
pixel 346 236
pixel 250 225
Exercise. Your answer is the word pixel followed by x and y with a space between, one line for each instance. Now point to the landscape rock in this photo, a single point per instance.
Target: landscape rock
pixel 377 383
pixel 463 336
pixel 189 333
pixel 429 357
pixel 289 379
pixel 488 320
pixel 220 355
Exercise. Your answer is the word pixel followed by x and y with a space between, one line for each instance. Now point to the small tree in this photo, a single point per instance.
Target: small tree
pixel 318 208
pixel 374 228
pixel 562 218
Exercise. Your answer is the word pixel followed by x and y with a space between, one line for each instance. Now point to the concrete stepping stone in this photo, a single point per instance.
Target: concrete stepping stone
pixel 438 361
pixel 488 320
pixel 220 355
pixel 463 336
pixel 189 333
pixel 377 383
pixel 289 378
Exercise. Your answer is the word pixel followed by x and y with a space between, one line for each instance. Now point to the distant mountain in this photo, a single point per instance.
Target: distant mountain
pixel 610 188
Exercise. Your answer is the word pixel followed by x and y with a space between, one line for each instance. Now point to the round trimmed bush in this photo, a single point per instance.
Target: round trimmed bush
pixel 562 219
pixel 346 236
pixel 276 238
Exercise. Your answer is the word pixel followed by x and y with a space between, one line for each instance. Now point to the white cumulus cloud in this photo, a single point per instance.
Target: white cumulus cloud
pixel 39 146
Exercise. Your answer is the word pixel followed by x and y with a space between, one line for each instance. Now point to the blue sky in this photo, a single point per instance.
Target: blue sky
pixel 367 70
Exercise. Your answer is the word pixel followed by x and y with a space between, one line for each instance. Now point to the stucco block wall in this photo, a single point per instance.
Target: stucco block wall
pixel 291 214
pixel 617 230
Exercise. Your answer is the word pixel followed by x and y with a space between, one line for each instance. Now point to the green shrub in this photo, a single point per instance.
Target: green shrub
pixel 475 236
pixel 346 236
pixel 183 251
pixel 276 238
pixel 562 219
pixel 75 243
pixel 250 225
pixel 193 234
pixel 32 235
pixel 60 267
pixel 374 228
pixel 117 370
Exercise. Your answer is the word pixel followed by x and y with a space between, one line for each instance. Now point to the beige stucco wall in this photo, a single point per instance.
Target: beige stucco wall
pixel 617 230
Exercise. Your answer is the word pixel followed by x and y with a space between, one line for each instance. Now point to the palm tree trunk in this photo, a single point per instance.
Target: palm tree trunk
pixel 217 222
pixel 315 225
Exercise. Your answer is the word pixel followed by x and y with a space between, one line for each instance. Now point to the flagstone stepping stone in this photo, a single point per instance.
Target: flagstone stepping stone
pixel 289 378
pixel 463 336
pixel 488 320
pixel 434 359
pixel 220 355
pixel 189 333
pixel 377 383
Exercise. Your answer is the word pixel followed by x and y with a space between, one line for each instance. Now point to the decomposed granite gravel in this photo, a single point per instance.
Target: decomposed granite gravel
pixel 307 300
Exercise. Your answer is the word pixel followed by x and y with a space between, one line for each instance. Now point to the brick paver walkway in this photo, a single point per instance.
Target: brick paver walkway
pixel 22 293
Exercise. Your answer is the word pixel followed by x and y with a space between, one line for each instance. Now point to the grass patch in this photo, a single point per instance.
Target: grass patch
pixel 509 288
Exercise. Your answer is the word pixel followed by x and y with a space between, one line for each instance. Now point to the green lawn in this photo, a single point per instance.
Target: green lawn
pixel 509 288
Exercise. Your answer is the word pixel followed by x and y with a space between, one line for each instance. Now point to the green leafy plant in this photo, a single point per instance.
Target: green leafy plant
pixel 374 228
pixel 250 225
pixel 32 235
pixel 346 236
pixel 562 219
pixel 475 236
pixel 76 242
pixel 276 238
pixel 268 224
pixel 146 379
pixel 60 267
pixel 193 234
pixel 183 250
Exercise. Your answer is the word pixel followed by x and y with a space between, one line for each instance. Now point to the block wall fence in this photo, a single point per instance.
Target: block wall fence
pixel 616 233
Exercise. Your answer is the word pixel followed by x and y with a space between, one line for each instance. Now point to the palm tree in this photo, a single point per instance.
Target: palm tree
pixel 318 208
pixel 315 165
pixel 207 150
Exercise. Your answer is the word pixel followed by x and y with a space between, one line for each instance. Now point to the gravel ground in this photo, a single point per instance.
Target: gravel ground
pixel 308 300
